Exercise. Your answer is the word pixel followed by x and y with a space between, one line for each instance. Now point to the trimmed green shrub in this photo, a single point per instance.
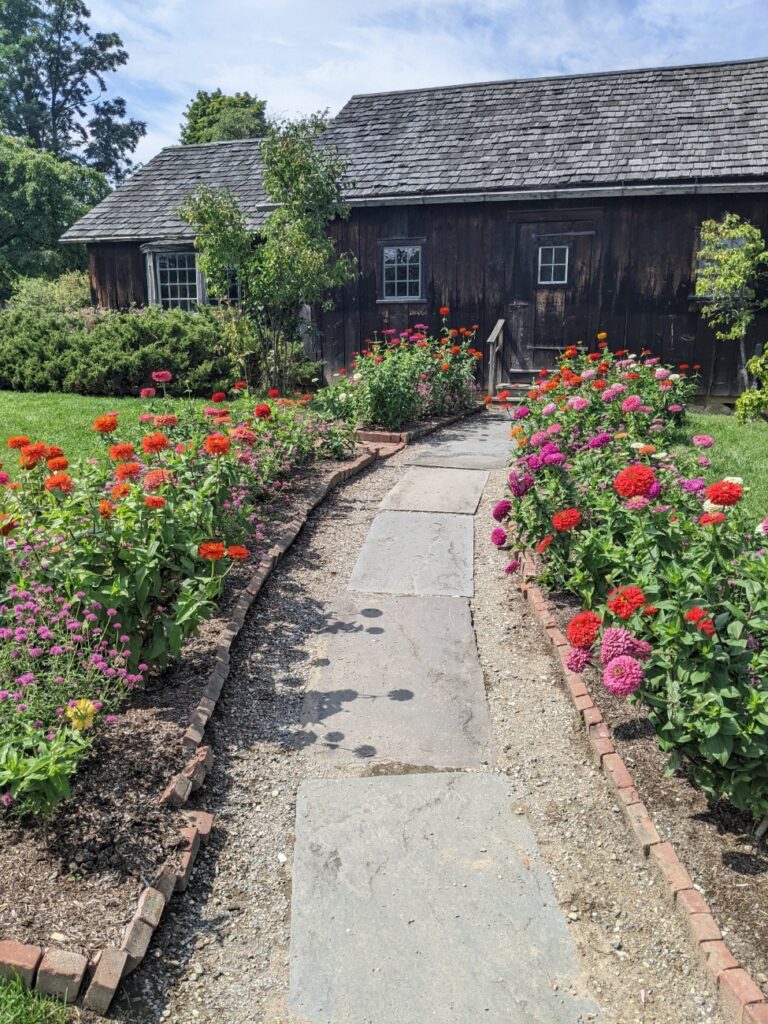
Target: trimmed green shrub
pixel 100 352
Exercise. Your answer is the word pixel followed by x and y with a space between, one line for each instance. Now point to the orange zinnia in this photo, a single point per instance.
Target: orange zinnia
pixel 120 452
pixel 106 508
pixel 128 471
pixel 59 482
pixel 168 420
pixel 57 463
pixel 237 552
pixel 19 441
pixel 31 454
pixel 154 443
pixel 121 491
pixel 105 424
pixel 216 444
pixel 212 550
pixel 154 501
pixel 156 478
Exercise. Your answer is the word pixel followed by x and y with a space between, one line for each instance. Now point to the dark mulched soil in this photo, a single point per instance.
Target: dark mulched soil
pixel 716 844
pixel 76 882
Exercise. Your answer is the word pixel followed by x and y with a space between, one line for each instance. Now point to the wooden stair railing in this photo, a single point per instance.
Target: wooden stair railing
pixel 496 343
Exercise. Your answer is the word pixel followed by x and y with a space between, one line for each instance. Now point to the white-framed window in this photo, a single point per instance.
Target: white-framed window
pixel 177 280
pixel 553 264
pixel 402 271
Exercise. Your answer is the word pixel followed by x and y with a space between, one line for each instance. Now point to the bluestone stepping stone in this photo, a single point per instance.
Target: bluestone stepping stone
pixel 397 679
pixel 425 553
pixel 483 443
pixel 424 489
pixel 421 898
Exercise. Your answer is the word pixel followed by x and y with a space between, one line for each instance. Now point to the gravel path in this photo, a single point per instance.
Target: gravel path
pixel 221 954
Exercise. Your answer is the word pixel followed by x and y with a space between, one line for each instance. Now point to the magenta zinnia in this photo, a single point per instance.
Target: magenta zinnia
pixel 623 675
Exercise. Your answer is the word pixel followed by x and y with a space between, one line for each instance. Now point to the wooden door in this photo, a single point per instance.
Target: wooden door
pixel 555 289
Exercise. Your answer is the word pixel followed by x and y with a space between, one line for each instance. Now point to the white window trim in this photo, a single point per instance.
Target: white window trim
pixel 553 264
pixel 151 252
pixel 401 243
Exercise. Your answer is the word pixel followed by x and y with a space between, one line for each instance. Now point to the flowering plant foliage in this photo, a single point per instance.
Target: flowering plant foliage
pixel 673 576
pixel 106 566
pixel 401 377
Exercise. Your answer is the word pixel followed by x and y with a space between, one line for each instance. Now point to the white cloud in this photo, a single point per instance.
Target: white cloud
pixel 304 55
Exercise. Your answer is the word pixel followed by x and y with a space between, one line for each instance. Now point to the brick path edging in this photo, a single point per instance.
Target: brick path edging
pixel 67 974
pixel 741 999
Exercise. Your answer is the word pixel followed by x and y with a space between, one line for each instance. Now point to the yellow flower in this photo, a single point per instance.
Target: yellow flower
pixel 602 335
pixel 81 714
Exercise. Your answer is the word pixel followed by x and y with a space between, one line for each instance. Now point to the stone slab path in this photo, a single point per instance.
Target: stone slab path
pixel 425 489
pixel 398 678
pixel 420 898
pixel 425 553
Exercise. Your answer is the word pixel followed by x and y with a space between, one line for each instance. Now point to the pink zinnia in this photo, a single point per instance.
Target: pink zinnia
pixel 578 404
pixel 501 510
pixel 675 408
pixel 162 376
pixel 623 675
pixel 618 641
pixel 662 373
pixel 631 404
pixel 147 393
pixel 549 408
pixel 498 537
pixel 513 566
pixel 702 441
pixel 578 659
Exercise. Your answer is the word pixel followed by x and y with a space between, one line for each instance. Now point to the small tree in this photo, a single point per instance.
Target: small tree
pixel 292 261
pixel 214 117
pixel 732 260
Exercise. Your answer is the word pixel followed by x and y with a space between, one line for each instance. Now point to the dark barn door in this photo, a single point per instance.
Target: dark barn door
pixel 555 289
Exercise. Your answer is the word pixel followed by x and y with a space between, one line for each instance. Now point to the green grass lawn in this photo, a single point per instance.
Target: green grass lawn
pixel 65 420
pixel 18 1006
pixel 740 449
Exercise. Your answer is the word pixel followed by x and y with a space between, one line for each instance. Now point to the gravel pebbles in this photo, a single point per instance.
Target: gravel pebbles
pixel 222 953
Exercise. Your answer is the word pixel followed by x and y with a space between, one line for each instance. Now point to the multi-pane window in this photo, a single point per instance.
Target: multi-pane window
pixel 176 280
pixel 402 271
pixel 553 264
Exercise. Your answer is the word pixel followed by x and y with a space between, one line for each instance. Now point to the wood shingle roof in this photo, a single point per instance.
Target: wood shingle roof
pixel 661 128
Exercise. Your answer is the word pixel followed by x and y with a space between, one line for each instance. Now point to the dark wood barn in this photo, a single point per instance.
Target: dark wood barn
pixel 563 206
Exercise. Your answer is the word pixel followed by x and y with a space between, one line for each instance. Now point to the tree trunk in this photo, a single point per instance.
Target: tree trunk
pixel 743 377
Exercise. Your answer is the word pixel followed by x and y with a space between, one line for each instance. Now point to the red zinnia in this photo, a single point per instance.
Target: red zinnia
pixel 216 444
pixel 726 492
pixel 212 550
pixel 444 310
pixel 154 501
pixel 712 518
pixel 262 412
pixel 128 471
pixel 566 520
pixel 455 349
pixel 121 491
pixel 154 443
pixel 58 463
pixel 583 629
pixel 19 441
pixel 121 452
pixel 240 385
pixel 273 393
pixel 31 454
pixel 106 424
pixel 237 552
pixel 624 601
pixel 59 482
pixel 542 546
pixel 168 420
pixel 701 619
pixel 106 508
pixel 219 396
pixel 634 481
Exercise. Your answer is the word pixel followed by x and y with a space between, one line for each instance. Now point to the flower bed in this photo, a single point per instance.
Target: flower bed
pixel 109 565
pixel 671 572
pixel 398 379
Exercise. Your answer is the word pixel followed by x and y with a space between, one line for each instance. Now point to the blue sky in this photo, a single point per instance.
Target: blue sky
pixel 306 55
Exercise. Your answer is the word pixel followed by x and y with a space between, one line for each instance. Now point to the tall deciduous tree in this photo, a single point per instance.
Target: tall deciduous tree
pixel 53 76
pixel 732 260
pixel 214 117
pixel 292 261
pixel 40 196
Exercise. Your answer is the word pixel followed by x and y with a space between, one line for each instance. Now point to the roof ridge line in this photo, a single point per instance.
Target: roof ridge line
pixel 559 78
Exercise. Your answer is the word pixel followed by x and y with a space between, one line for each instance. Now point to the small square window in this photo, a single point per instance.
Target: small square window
pixel 176 279
pixel 402 277
pixel 553 264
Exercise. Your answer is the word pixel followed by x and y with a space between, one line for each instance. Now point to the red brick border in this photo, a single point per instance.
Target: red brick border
pixel 67 974
pixel 399 440
pixel 741 999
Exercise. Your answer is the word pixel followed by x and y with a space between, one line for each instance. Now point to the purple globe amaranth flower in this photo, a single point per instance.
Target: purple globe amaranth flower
pixel 520 485
pixel 498 537
pixel 618 641
pixel 578 659
pixel 501 510
pixel 623 675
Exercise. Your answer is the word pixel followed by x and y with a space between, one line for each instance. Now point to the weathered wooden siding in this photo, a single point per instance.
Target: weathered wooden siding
pixel 118 275
pixel 634 278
